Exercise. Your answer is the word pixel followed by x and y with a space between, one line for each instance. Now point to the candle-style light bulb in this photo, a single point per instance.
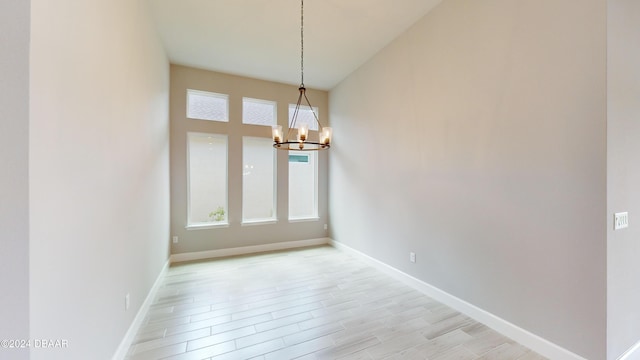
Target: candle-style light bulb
pixel 303 132
pixel 276 132
pixel 327 133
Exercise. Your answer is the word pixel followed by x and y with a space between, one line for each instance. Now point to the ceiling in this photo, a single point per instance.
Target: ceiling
pixel 261 38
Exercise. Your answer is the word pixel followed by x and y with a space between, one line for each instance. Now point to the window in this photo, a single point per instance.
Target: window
pixel 205 105
pixel 207 179
pixel 302 158
pixel 303 185
pixel 305 116
pixel 258 112
pixel 258 180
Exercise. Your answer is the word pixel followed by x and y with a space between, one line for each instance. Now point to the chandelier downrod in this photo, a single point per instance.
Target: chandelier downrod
pixel 302 43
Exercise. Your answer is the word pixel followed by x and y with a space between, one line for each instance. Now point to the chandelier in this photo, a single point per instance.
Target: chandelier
pixel 298 136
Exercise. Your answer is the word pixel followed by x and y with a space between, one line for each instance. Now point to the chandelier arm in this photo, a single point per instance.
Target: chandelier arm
pixel 313 112
pixel 294 119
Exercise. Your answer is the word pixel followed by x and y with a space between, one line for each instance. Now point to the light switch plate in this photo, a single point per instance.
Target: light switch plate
pixel 620 220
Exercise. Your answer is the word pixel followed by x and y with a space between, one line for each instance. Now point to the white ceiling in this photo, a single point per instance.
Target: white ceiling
pixel 261 38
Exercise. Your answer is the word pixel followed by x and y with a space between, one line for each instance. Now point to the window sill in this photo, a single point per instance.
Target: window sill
pixel 259 222
pixel 304 219
pixel 206 226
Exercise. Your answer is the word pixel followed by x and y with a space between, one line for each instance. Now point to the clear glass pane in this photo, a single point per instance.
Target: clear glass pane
pixel 303 185
pixel 258 112
pixel 258 179
pixel 207 178
pixel 305 116
pixel 205 105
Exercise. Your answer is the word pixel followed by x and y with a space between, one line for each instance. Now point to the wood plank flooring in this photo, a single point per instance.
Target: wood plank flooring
pixel 313 303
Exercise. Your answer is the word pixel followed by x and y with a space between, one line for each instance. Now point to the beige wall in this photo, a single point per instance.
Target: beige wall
pixel 237 235
pixel 623 170
pixel 477 139
pixel 99 171
pixel 14 166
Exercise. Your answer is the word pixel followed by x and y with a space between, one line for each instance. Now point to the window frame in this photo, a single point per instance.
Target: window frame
pixel 209 94
pixel 316 211
pixel 263 101
pixel 273 219
pixel 209 225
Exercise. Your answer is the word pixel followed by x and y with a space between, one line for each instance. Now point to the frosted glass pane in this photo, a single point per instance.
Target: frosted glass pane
pixel 258 112
pixel 207 178
pixel 303 185
pixel 258 179
pixel 207 106
pixel 305 116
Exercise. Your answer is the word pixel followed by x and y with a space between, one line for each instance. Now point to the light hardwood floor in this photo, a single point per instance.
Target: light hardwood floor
pixel 313 303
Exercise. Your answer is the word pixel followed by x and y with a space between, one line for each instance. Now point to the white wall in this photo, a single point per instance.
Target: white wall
pixel 623 163
pixel 478 139
pixel 14 166
pixel 99 171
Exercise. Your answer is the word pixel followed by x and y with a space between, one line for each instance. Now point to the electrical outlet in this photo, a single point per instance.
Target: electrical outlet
pixel 175 239
pixel 620 220
pixel 326 226
pixel 127 302
pixel 412 257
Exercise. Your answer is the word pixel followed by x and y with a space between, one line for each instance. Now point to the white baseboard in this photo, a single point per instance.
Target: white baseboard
pixel 633 353
pixel 126 342
pixel 211 254
pixel 522 336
